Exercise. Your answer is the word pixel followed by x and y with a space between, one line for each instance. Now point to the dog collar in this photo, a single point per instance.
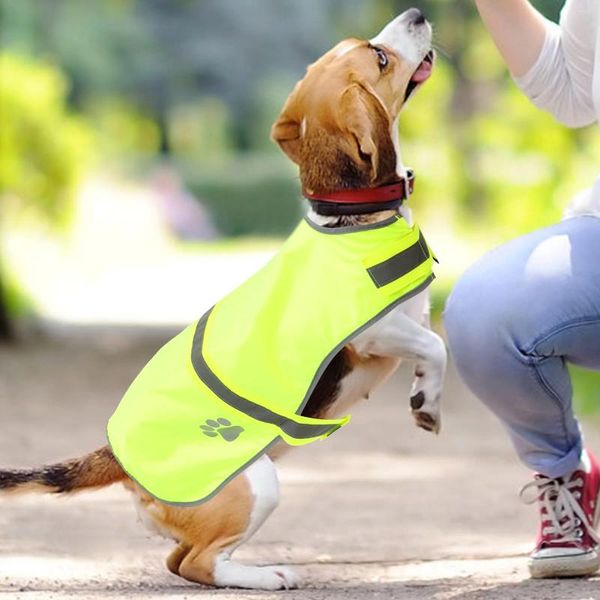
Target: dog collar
pixel 332 209
pixel 400 190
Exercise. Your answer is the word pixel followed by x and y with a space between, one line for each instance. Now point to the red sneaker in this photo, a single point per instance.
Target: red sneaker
pixel 568 544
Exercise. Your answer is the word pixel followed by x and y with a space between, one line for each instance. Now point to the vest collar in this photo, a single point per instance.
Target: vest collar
pixel 365 200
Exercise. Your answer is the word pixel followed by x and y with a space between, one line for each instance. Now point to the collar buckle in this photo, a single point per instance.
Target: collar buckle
pixel 409 183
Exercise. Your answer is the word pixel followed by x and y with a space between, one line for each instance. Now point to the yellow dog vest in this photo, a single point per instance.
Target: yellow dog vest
pixel 222 392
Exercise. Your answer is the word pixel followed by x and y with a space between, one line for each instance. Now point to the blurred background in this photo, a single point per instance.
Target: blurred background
pixel 138 183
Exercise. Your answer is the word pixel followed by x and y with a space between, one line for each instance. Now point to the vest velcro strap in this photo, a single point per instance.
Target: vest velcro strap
pixel 400 264
pixel 257 411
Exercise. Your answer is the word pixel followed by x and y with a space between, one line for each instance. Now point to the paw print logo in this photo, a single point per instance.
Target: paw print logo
pixel 221 427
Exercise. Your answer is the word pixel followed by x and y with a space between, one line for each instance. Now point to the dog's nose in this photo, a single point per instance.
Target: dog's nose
pixel 415 16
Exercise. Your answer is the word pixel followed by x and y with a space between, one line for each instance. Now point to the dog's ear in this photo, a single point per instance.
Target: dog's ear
pixel 286 132
pixel 367 124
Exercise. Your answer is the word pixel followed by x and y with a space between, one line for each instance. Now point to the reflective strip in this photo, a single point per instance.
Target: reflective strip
pixel 252 409
pixel 400 264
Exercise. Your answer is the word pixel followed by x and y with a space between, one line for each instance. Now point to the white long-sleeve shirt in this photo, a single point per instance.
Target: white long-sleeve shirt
pixel 565 79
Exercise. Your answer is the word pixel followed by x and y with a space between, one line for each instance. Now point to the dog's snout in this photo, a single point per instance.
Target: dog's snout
pixel 409 35
pixel 415 16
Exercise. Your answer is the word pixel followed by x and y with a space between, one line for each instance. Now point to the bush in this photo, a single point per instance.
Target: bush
pixel 42 147
pixel 250 197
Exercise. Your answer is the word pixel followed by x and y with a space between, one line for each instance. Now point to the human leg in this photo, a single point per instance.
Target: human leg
pixel 514 321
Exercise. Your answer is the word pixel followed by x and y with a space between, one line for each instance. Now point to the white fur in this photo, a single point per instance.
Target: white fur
pixel 403 333
pixel 400 168
pixel 146 516
pixel 410 41
pixel 228 573
pixel 264 485
pixel 404 211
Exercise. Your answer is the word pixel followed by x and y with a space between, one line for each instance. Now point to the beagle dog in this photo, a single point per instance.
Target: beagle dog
pixel 339 126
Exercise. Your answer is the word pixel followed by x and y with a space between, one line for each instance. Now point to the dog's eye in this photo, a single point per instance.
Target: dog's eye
pixel 382 57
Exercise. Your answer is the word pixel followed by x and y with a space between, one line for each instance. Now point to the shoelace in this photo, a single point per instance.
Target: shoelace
pixel 562 509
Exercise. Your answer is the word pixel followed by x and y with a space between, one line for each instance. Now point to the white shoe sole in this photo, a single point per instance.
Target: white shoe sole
pixel 578 565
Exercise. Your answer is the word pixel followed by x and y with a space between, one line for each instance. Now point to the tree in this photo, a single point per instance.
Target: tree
pixel 42 148
pixel 161 53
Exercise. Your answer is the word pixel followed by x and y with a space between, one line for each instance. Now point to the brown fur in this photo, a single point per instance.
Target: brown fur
pixel 202 531
pixel 328 387
pixel 337 123
pixel 94 470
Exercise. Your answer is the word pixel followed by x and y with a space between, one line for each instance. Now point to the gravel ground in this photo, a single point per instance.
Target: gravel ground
pixel 380 511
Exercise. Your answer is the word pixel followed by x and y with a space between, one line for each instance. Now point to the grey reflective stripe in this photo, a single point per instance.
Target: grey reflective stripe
pixel 400 264
pixel 351 228
pixel 252 409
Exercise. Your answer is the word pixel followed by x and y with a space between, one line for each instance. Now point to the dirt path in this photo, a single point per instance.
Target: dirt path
pixel 380 511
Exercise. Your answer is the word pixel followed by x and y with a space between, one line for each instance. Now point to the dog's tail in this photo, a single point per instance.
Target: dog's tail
pixel 95 470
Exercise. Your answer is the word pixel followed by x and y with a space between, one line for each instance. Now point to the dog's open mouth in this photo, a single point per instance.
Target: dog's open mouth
pixel 422 73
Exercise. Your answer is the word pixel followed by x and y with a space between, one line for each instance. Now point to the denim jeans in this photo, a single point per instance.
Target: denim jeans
pixel 514 321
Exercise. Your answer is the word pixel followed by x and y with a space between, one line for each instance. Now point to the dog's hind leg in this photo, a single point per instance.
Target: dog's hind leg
pixel 176 557
pixel 213 566
pixel 229 573
pixel 211 532
pixel 264 486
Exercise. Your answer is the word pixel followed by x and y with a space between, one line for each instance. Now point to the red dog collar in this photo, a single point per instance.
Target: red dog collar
pixel 400 190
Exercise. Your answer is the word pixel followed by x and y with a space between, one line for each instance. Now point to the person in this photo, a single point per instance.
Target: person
pixel 522 312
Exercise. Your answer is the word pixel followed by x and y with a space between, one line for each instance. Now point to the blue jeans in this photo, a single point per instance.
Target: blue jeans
pixel 514 320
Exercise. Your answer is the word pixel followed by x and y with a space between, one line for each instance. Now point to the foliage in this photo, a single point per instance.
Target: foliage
pixel 158 54
pixel 43 150
pixel 17 302
pixel 42 147
pixel 249 197
pixel 586 389
pixel 121 130
pixel 507 168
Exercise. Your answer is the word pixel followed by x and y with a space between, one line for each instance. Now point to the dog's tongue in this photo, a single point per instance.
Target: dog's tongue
pixel 422 72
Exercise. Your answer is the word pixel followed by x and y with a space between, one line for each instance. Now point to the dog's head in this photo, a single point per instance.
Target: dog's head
pixel 337 123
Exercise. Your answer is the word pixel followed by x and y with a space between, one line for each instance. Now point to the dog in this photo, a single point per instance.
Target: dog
pixel 339 125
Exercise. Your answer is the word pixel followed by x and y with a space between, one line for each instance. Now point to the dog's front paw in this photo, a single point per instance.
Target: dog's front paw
pixel 425 410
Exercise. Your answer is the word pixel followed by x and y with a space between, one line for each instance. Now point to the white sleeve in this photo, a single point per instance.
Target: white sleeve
pixel 561 79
